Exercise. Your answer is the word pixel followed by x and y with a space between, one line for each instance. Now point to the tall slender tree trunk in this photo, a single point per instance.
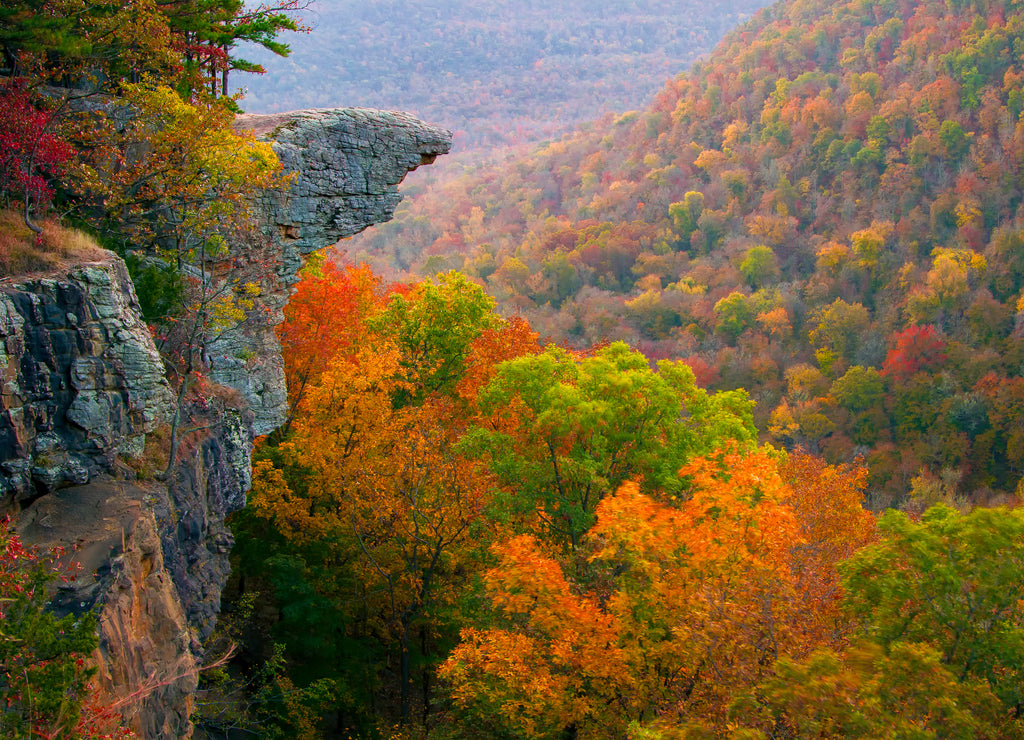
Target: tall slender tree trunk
pixel 405 671
pixel 424 648
pixel 224 72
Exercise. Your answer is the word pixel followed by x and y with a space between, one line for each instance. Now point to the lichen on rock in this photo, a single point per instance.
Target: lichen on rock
pixel 82 381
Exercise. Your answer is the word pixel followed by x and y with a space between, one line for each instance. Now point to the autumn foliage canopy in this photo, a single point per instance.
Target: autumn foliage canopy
pixel 542 543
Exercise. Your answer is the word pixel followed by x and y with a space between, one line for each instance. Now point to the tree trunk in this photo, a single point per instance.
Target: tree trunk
pixel 405 675
pixel 27 214
pixel 426 676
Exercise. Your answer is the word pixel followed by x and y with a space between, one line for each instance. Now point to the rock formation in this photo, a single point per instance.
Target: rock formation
pixel 81 379
pixel 347 164
pixel 84 408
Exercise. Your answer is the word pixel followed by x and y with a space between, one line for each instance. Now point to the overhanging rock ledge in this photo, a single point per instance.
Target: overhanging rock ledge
pixel 348 163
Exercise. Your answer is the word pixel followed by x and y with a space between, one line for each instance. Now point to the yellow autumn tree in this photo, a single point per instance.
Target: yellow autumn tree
pixel 384 491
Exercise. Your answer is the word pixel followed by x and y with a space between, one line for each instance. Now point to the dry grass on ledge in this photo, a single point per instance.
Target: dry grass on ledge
pixel 23 253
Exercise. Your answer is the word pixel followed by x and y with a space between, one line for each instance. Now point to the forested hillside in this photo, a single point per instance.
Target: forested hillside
pixel 495 73
pixel 784 298
pixel 826 212
pixel 464 534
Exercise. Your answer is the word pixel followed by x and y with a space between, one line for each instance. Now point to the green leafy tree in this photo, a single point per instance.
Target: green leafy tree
pixel 44 674
pixel 685 215
pixel 859 388
pixel 861 391
pixel 866 692
pixel 838 329
pixel 952 136
pixel 735 314
pixel 937 605
pixel 434 327
pixel 953 581
pixel 561 431
pixel 760 267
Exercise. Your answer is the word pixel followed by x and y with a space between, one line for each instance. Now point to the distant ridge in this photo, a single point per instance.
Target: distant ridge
pixel 496 73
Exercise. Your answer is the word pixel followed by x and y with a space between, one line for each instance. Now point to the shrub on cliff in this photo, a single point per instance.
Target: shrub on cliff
pixel 44 673
pixel 21 251
pixel 29 150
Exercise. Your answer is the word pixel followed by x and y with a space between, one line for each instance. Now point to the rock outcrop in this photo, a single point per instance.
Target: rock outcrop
pixel 348 163
pixel 80 379
pixel 85 407
pixel 147 664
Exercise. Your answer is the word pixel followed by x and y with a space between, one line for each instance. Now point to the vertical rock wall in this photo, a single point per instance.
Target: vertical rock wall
pixel 80 379
pixel 146 658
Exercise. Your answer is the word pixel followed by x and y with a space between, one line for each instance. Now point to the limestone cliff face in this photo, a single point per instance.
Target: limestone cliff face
pixel 83 384
pixel 84 404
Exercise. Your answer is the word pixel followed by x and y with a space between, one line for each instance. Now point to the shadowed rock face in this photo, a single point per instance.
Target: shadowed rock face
pixel 80 378
pixel 146 663
pixel 82 386
pixel 347 164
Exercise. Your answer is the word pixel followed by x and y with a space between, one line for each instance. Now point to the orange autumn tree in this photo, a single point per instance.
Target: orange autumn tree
pixel 556 666
pixel 378 516
pixel 828 503
pixel 700 598
pixel 511 339
pixel 323 319
pixel 348 408
pixel 382 492
pixel 709 585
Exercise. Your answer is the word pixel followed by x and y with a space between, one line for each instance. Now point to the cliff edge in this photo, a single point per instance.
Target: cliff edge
pixel 348 163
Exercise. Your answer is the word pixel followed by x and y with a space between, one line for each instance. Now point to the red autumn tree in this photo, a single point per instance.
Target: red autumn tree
pixel 324 319
pixel 30 153
pixel 917 348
